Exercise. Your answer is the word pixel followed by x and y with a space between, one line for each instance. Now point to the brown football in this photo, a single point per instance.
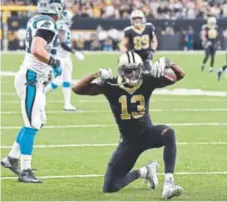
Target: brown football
pixel 170 75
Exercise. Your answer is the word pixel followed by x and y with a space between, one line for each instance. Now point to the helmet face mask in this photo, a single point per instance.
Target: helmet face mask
pixel 137 18
pixel 131 75
pixel 130 67
pixel 137 21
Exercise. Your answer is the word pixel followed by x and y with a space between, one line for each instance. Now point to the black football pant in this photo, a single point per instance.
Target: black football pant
pixel 119 174
pixel 210 51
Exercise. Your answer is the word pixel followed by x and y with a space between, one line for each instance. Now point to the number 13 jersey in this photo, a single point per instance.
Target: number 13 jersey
pixel 130 106
pixel 35 23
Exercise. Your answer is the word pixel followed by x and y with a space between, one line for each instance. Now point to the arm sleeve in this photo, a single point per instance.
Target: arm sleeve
pixel 152 29
pixel 47 35
pixel 66 47
pixel 127 33
pixel 47 24
pixel 46 28
pixel 153 82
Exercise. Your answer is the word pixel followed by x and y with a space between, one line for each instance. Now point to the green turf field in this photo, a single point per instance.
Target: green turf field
pixel 74 148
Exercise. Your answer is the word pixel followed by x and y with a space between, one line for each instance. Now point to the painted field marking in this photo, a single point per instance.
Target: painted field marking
pixel 101 175
pixel 114 125
pixel 104 111
pixel 111 145
pixel 176 92
pixel 105 101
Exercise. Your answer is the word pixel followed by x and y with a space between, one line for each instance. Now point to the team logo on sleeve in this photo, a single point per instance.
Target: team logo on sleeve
pixel 46 25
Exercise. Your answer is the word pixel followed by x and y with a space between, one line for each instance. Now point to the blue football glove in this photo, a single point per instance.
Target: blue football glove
pixel 57 71
pixel 56 66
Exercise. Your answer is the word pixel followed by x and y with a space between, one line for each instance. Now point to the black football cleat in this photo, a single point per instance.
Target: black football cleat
pixel 219 73
pixel 202 68
pixel 27 176
pixel 12 164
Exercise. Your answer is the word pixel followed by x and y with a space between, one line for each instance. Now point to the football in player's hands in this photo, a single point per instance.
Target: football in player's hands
pixel 169 74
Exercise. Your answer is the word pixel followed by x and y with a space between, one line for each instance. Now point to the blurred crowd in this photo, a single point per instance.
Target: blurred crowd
pixel 102 39
pixel 158 9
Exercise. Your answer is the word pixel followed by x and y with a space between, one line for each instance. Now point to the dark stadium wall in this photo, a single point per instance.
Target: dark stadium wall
pixel 166 41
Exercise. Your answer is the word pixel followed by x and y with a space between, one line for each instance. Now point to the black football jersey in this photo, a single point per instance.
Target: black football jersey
pixel 140 41
pixel 211 32
pixel 130 106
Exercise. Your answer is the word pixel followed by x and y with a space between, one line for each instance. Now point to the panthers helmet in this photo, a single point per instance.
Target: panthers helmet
pixel 130 67
pixel 67 17
pixel 54 7
pixel 211 21
pixel 135 15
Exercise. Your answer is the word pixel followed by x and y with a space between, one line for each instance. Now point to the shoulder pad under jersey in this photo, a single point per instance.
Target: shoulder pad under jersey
pixel 149 24
pixel 45 22
pixel 128 28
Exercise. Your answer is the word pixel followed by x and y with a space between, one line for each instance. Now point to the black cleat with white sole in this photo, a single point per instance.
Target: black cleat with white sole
pixel 12 164
pixel 27 176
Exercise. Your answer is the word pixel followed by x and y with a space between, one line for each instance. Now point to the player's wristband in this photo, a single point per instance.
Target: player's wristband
pixel 55 63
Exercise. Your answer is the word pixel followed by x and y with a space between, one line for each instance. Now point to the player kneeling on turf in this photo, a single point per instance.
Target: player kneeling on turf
pixel 129 94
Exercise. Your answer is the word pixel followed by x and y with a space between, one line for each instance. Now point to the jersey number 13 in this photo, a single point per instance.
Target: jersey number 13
pixel 138 99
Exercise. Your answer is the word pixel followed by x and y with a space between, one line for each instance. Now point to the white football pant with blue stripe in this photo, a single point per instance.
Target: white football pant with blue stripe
pixel 33 99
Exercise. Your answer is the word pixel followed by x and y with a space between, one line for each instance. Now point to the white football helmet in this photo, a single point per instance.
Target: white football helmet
pixel 130 67
pixel 137 18
pixel 54 7
pixel 211 21
pixel 67 17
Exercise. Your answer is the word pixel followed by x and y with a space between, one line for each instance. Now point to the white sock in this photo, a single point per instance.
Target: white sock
pixel 26 161
pixel 67 96
pixel 143 172
pixel 169 176
pixel 15 151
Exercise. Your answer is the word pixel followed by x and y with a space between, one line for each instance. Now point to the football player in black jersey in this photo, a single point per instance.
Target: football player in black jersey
pixel 128 95
pixel 209 37
pixel 140 38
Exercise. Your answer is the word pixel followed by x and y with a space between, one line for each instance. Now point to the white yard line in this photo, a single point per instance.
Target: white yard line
pixel 176 92
pixel 111 145
pixel 114 125
pixel 105 101
pixel 63 126
pixel 104 111
pixel 101 175
pixel 18 102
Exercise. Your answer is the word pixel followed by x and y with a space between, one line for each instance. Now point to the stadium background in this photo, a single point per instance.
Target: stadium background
pixel 98 24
